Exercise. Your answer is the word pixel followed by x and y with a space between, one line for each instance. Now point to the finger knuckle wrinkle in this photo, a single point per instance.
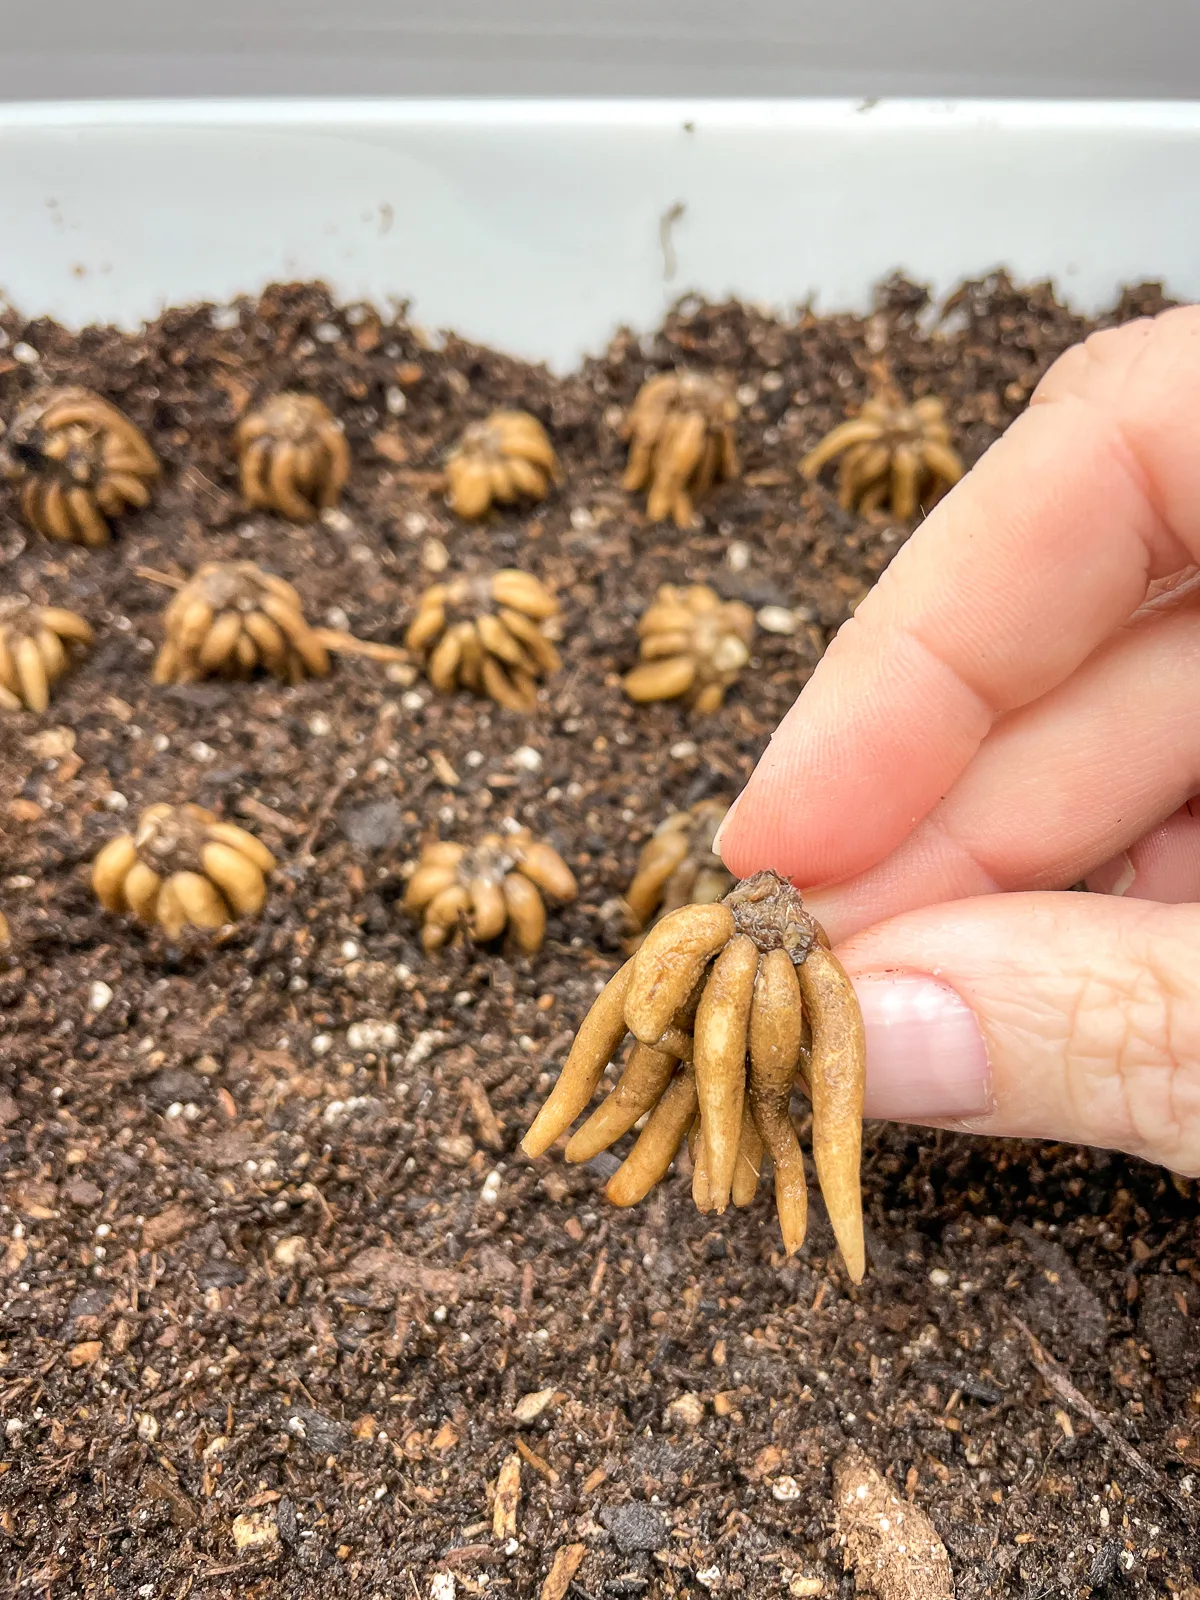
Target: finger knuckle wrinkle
pixel 1152 1017
pixel 941 666
pixel 1102 363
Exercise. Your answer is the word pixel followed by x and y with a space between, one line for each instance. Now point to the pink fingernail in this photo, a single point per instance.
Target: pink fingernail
pixel 925 1054
pixel 724 823
pixel 1114 877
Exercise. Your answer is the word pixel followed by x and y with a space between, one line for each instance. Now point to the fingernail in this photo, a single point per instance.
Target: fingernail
pixel 724 823
pixel 925 1054
pixel 1114 877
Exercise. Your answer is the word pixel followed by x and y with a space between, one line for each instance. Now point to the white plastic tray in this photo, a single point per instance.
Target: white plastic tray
pixel 539 226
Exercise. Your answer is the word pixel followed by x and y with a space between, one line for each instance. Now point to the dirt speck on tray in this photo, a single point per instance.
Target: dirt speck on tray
pixel 276 1285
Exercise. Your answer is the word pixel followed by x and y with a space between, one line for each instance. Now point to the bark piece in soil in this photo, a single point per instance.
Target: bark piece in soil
pixel 320 1433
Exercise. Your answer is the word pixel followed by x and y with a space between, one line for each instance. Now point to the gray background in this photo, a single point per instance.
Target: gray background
pixel 55 49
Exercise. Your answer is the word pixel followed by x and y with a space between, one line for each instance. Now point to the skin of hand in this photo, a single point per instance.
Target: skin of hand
pixel 1013 709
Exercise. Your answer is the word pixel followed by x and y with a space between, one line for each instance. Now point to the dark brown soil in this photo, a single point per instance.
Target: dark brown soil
pixel 165 1367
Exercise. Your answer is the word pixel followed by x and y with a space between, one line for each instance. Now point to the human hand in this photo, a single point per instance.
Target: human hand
pixel 1015 707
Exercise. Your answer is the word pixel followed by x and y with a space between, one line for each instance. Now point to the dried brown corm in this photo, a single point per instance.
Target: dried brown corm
pixel 183 866
pixel 721 1000
pixel 36 647
pixel 230 620
pixel 293 456
pixel 505 458
pixel 892 453
pixel 498 884
pixel 681 442
pixel 677 866
pixel 77 461
pixel 693 645
pixel 487 634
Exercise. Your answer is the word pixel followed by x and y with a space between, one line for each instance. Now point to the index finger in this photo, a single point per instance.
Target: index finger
pixel 1031 562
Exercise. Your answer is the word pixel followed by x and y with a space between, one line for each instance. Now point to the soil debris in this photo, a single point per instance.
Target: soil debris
pixel 567 1560
pixel 889 1544
pixel 635 1526
pixel 255 1532
pixel 508 1498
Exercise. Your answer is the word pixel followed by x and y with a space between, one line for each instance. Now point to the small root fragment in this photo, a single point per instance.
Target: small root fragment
pixel 837 1077
pixel 776 1024
pixel 749 1161
pixel 639 1088
pixel 595 1044
pixel 657 1144
pixel 722 1026
pixel 345 644
pixel 669 964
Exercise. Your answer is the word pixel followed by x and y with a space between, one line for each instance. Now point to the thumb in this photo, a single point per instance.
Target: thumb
pixel 1048 1016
